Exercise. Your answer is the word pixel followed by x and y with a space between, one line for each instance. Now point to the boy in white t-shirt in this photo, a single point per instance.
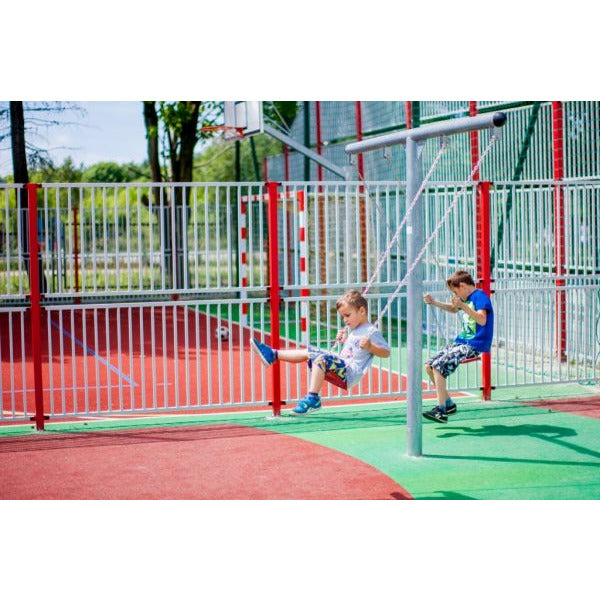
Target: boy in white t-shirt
pixel 361 342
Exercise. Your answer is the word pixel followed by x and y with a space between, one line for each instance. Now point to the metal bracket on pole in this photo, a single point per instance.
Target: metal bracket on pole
pixel 342 172
pixel 387 153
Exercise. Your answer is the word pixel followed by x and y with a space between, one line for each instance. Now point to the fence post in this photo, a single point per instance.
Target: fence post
pixel 304 291
pixel 35 303
pixel 484 273
pixel 559 229
pixel 274 295
pixel 474 139
pixel 362 201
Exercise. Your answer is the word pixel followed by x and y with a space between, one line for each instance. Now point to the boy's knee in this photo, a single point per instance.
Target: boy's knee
pixel 428 368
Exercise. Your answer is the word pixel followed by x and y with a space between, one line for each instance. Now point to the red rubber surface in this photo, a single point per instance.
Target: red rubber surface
pixel 216 462
pixel 586 407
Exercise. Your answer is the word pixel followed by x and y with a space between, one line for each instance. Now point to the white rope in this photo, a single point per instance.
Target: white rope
pixel 433 235
pixel 387 251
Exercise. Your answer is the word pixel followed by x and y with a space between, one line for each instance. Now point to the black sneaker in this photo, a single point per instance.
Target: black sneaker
pixel 450 408
pixel 436 414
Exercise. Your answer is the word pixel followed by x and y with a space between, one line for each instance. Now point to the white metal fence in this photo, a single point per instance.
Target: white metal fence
pixel 138 279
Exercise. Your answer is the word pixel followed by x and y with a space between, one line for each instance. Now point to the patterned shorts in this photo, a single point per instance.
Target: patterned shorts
pixel 446 361
pixel 328 363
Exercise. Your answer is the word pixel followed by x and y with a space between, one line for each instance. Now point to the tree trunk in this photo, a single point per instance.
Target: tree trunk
pixel 17 138
pixel 151 123
pixel 21 175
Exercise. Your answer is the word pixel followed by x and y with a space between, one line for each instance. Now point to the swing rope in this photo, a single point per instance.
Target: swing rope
pixel 387 251
pixel 434 233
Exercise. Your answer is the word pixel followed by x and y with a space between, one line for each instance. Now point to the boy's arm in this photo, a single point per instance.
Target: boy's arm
pixel 480 315
pixel 367 344
pixel 429 299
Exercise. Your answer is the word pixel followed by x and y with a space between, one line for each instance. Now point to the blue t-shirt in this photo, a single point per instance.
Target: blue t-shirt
pixel 477 336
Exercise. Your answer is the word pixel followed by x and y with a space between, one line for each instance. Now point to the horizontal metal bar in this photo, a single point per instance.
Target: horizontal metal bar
pixel 166 304
pixel 451 127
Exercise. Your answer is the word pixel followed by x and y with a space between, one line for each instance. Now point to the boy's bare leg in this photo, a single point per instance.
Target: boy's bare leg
pixel 317 376
pixel 429 370
pixel 293 356
pixel 441 389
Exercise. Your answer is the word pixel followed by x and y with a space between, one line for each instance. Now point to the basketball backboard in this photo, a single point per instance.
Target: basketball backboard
pixel 244 115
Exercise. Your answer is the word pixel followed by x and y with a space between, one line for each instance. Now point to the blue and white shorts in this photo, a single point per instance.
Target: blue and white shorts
pixel 328 363
pixel 446 361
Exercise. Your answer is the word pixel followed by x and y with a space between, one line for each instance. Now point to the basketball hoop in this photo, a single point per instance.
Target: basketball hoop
pixel 229 133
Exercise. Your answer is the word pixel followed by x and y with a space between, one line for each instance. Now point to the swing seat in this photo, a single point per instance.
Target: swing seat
pixel 470 360
pixel 336 380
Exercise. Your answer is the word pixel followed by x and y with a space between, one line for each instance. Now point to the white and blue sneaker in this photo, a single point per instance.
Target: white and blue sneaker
pixel 450 407
pixel 266 354
pixel 310 403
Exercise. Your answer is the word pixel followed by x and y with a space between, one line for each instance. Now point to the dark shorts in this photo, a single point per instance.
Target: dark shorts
pixel 446 361
pixel 328 363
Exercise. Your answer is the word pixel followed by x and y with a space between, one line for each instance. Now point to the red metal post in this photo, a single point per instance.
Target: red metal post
pixel 36 306
pixel 363 207
pixel 408 110
pixel 359 136
pixel 274 295
pixel 265 169
pixel 559 229
pixel 319 138
pixel 484 274
pixel 286 163
pixel 474 140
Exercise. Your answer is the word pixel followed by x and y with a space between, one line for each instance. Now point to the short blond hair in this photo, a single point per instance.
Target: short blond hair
pixel 354 299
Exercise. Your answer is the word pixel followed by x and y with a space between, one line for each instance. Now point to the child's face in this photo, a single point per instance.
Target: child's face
pixel 351 316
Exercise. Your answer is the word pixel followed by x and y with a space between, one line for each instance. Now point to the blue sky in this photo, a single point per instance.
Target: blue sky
pixel 107 131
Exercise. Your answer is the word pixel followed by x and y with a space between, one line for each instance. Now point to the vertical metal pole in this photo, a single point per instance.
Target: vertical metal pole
pixel 408 111
pixel 265 169
pixel 474 140
pixel 36 308
pixel 362 201
pixel 306 139
pixel 274 293
pixel 559 229
pixel 286 162
pixel 243 244
pixel 414 312
pixel 76 251
pixel 484 273
pixel 319 139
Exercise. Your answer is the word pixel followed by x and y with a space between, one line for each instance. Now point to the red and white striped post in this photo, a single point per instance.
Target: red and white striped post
pixel 243 236
pixel 36 306
pixel 304 291
pixel 559 229
pixel 274 293
pixel 484 275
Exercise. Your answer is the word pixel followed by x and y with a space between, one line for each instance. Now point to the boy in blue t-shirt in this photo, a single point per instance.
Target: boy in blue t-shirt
pixel 475 338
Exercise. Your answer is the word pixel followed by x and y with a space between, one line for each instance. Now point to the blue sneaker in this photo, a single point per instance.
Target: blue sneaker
pixel 307 404
pixel 266 354
pixel 450 407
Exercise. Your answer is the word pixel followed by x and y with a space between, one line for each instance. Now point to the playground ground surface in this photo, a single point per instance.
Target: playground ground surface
pixel 542 444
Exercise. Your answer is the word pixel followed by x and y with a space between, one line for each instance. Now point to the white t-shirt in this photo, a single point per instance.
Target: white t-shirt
pixel 357 359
